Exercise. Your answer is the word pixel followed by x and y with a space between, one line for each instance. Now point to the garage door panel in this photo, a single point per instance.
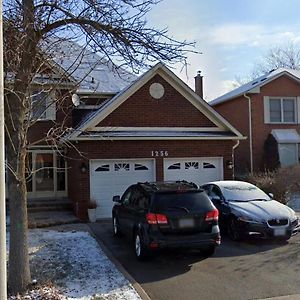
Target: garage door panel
pixel 198 170
pixel 110 178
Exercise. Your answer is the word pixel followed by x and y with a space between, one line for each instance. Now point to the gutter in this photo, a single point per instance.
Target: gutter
pixel 233 149
pixel 250 132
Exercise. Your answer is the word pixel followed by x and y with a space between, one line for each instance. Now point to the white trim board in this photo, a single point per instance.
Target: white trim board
pixel 116 128
pixel 135 138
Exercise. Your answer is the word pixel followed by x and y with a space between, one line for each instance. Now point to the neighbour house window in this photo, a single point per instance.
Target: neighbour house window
pixel 282 110
pixel 43 105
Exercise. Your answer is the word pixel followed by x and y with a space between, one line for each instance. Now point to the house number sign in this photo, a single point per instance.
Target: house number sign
pixel 157 153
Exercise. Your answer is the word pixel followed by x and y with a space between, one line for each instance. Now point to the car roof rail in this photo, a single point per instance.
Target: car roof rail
pixel 149 184
pixel 193 184
pixel 167 185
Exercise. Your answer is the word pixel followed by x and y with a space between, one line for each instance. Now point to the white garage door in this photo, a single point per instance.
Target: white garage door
pixel 199 170
pixel 109 178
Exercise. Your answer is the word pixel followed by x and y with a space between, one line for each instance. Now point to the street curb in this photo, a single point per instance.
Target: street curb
pixel 142 293
pixel 286 297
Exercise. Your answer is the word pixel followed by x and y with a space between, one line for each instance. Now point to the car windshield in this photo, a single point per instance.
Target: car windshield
pixel 243 192
pixel 183 201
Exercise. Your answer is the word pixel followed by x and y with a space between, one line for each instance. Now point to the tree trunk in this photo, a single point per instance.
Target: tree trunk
pixel 15 118
pixel 19 271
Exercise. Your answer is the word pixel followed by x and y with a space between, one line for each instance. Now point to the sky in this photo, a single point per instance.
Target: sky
pixel 232 35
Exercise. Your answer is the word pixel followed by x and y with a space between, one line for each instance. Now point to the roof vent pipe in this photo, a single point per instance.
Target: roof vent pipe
pixel 199 84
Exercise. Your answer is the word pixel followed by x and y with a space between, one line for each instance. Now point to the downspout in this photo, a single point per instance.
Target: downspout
pixel 250 132
pixel 233 149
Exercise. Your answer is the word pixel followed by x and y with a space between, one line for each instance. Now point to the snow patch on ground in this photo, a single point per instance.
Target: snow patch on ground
pixel 74 262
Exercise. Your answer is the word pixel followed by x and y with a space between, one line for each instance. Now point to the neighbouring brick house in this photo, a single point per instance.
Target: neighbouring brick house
pixel 127 129
pixel 270 107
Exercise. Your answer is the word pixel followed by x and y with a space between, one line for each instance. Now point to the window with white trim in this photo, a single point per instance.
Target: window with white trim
pixel 43 105
pixel 282 110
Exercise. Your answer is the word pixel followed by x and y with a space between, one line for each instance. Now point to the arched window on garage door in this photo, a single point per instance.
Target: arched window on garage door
pixel 207 165
pixel 103 168
pixel 190 165
pixel 140 167
pixel 175 166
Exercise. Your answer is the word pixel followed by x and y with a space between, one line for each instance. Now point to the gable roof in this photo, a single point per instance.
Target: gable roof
pixel 91 72
pixel 255 85
pixel 95 118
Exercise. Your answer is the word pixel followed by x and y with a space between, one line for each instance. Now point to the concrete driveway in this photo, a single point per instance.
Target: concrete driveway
pixel 248 270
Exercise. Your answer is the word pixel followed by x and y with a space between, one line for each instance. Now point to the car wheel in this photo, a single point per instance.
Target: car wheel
pixel 116 230
pixel 140 251
pixel 233 230
pixel 209 251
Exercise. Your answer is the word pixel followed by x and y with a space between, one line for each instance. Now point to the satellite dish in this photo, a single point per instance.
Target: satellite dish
pixel 76 100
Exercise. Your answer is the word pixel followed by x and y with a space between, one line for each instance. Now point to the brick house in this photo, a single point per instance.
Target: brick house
pixel 267 111
pixel 154 128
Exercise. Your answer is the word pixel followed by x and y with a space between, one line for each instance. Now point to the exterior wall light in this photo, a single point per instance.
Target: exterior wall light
pixel 229 164
pixel 83 168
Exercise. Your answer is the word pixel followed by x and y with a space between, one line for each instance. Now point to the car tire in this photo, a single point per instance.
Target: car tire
pixel 115 225
pixel 209 251
pixel 233 230
pixel 140 250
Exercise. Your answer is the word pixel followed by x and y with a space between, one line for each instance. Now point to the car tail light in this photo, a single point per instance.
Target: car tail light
pixel 212 215
pixel 153 245
pixel 151 218
pixel 161 219
pixel 156 219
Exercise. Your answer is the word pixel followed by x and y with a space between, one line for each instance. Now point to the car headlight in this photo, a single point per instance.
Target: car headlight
pixel 294 217
pixel 249 219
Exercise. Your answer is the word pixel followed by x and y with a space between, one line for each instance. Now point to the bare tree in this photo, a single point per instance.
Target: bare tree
pixel 283 56
pixel 115 28
pixel 286 56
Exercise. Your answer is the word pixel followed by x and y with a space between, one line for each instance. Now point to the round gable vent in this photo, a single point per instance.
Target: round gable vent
pixel 156 90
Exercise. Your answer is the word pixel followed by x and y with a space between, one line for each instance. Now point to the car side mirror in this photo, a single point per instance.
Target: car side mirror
pixel 271 195
pixel 116 199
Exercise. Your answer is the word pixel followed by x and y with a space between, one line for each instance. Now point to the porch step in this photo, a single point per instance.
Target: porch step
pixel 53 218
pixel 44 205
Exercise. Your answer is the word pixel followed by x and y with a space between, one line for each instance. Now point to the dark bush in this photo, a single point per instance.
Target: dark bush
pixel 281 183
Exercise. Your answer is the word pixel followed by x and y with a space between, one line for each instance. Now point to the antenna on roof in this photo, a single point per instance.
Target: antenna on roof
pixel 76 100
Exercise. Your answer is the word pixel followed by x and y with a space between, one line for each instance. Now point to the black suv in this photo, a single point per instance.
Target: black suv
pixel 166 215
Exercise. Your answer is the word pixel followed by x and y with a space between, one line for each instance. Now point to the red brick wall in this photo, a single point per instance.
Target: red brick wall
pixel 141 110
pixel 281 87
pixel 79 184
pixel 236 112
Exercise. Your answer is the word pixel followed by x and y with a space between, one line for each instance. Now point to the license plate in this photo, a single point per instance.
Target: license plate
pixel 279 232
pixel 185 223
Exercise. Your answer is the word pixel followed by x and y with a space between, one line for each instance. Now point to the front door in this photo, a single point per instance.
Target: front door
pixel 46 174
